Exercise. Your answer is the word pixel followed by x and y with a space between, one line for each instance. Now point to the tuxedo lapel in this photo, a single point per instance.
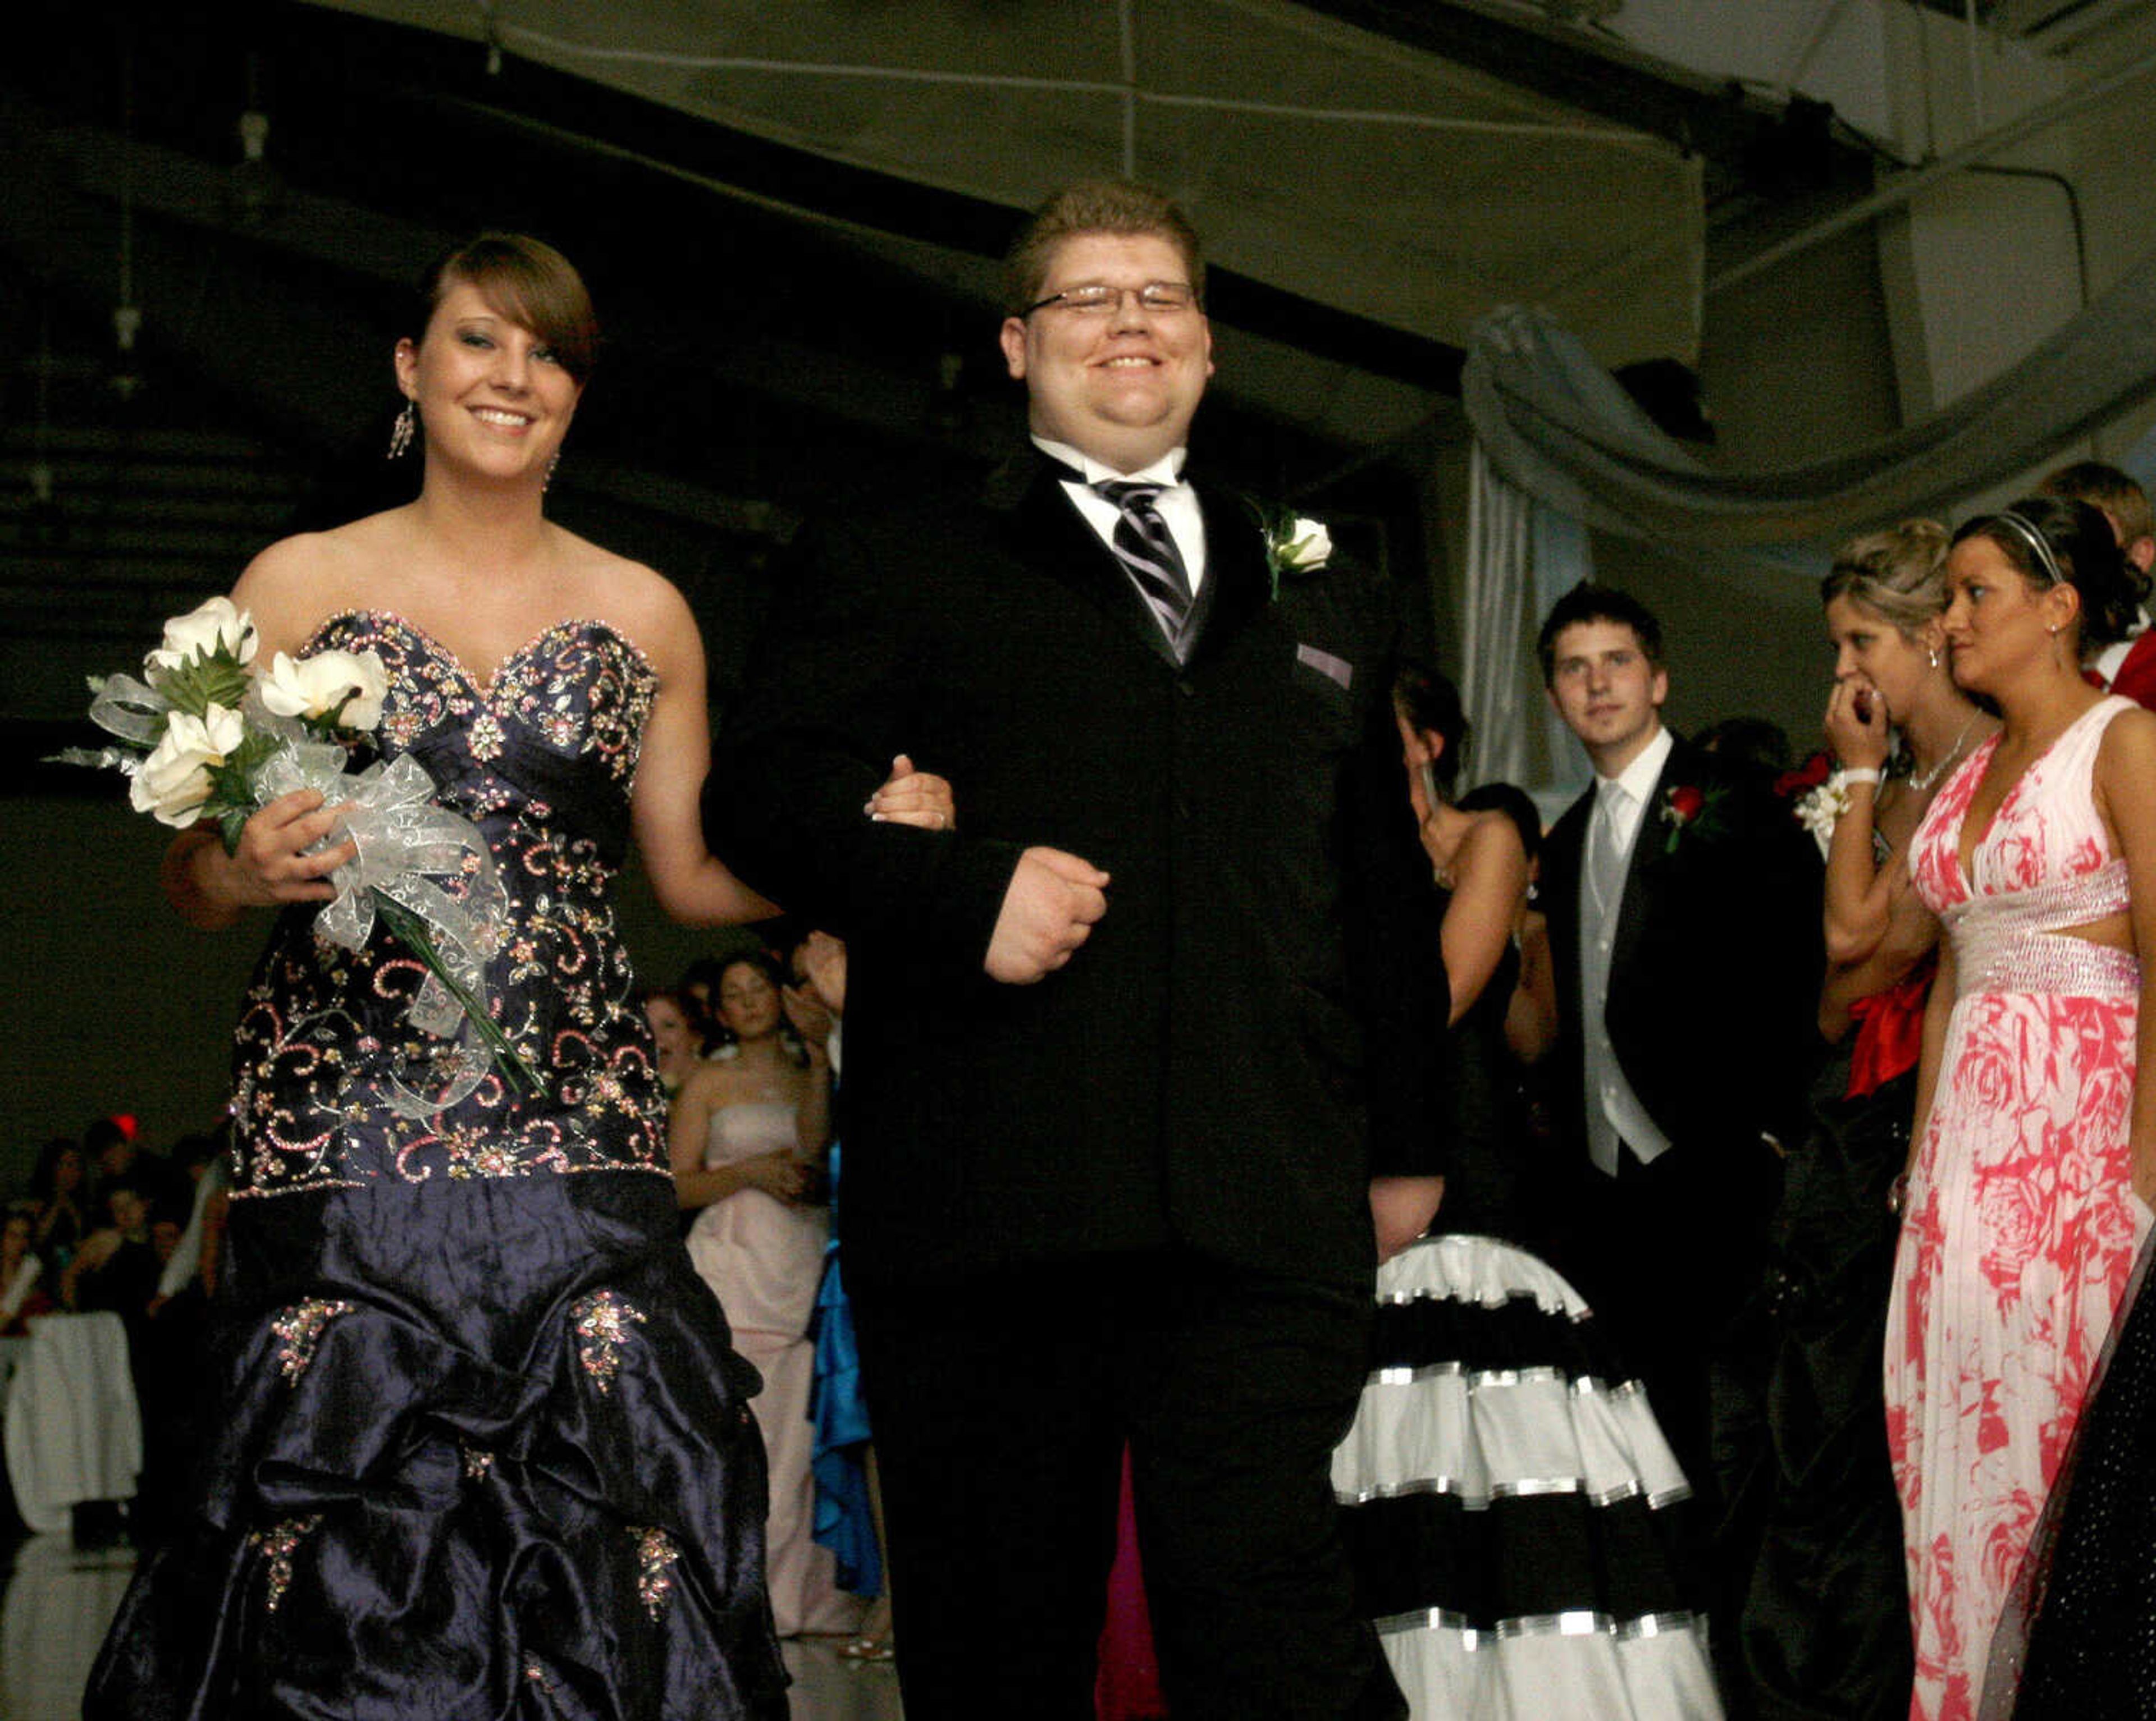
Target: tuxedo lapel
pixel 1046 531
pixel 1643 871
pixel 1238 580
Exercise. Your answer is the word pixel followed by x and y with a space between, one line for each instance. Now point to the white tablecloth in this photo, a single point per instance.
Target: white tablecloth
pixel 12 1354
pixel 74 1430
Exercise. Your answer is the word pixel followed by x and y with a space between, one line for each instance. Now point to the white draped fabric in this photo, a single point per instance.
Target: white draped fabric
pixel 1522 556
pixel 1555 423
pixel 1500 555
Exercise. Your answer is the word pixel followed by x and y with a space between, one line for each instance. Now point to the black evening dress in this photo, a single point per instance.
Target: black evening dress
pixel 2078 1638
pixel 476 1444
pixel 1826 1627
pixel 1520 1529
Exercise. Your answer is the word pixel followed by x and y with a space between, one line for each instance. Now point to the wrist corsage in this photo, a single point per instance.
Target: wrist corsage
pixel 1819 792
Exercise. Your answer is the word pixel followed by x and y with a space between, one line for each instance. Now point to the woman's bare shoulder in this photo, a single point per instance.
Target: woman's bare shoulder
pixel 2130 734
pixel 2125 766
pixel 630 584
pixel 709 1080
pixel 1491 838
pixel 638 602
pixel 300 581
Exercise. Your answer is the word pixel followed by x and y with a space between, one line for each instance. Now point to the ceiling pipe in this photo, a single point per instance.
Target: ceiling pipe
pixel 1904 190
pixel 1829 16
pixel 1124 91
pixel 2077 24
pixel 1126 24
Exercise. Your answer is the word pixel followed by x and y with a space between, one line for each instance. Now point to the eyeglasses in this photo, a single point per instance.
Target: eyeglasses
pixel 1099 300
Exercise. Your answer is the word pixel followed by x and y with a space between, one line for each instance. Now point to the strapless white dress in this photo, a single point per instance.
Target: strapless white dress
pixel 764 1258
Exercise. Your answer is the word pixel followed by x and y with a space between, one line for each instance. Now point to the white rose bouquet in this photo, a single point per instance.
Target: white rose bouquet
pixel 191 751
pixel 207 733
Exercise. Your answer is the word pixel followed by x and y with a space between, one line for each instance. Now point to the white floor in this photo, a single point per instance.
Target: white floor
pixel 58 1600
pixel 52 1619
pixel 828 1688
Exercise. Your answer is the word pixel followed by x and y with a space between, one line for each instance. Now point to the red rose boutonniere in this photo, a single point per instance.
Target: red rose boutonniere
pixel 1687 806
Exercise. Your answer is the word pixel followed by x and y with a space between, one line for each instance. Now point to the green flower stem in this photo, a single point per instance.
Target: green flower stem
pixel 412 930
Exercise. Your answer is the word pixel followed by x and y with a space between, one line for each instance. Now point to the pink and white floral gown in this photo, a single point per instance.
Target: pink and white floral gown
pixel 2022 1223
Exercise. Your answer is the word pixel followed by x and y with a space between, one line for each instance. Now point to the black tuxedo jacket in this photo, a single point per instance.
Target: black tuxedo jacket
pixel 1715 970
pixel 1247 1035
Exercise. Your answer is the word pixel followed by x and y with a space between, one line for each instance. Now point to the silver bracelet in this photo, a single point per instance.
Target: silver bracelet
pixel 1860 774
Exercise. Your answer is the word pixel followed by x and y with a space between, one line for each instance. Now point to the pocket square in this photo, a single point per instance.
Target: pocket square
pixel 1338 669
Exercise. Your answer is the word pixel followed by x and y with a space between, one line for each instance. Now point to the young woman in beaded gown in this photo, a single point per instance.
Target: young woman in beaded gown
pixel 477 1445
pixel 2035 1123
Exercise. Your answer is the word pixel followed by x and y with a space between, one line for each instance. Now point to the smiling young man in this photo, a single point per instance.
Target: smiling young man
pixel 1683 900
pixel 1127 1046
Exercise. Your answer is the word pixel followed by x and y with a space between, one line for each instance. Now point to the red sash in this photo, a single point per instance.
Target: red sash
pixel 1890 1030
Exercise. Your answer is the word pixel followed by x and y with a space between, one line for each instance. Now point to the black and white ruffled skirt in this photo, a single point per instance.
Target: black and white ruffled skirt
pixel 1518 1523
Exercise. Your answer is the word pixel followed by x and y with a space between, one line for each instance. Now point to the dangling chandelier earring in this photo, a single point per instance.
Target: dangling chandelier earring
pixel 403 431
pixel 553 460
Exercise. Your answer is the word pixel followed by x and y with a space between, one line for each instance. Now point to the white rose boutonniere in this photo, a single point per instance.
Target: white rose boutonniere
pixel 1303 547
pixel 1296 545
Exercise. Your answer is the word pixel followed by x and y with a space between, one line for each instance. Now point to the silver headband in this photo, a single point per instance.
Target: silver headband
pixel 2045 559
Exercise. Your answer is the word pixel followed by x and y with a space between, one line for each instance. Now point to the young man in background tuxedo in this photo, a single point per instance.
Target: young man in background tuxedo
pixel 1683 900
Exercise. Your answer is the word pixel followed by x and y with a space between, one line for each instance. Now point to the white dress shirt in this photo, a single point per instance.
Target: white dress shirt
pixel 2112 658
pixel 1178 502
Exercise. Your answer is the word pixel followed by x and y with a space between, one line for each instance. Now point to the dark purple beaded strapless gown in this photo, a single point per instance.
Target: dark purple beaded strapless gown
pixel 476 1444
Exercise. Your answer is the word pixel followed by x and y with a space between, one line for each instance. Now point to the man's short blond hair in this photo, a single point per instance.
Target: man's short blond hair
pixel 1096 206
pixel 2124 503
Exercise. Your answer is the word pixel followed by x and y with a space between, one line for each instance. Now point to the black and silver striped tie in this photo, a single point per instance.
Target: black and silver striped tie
pixel 1145 547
